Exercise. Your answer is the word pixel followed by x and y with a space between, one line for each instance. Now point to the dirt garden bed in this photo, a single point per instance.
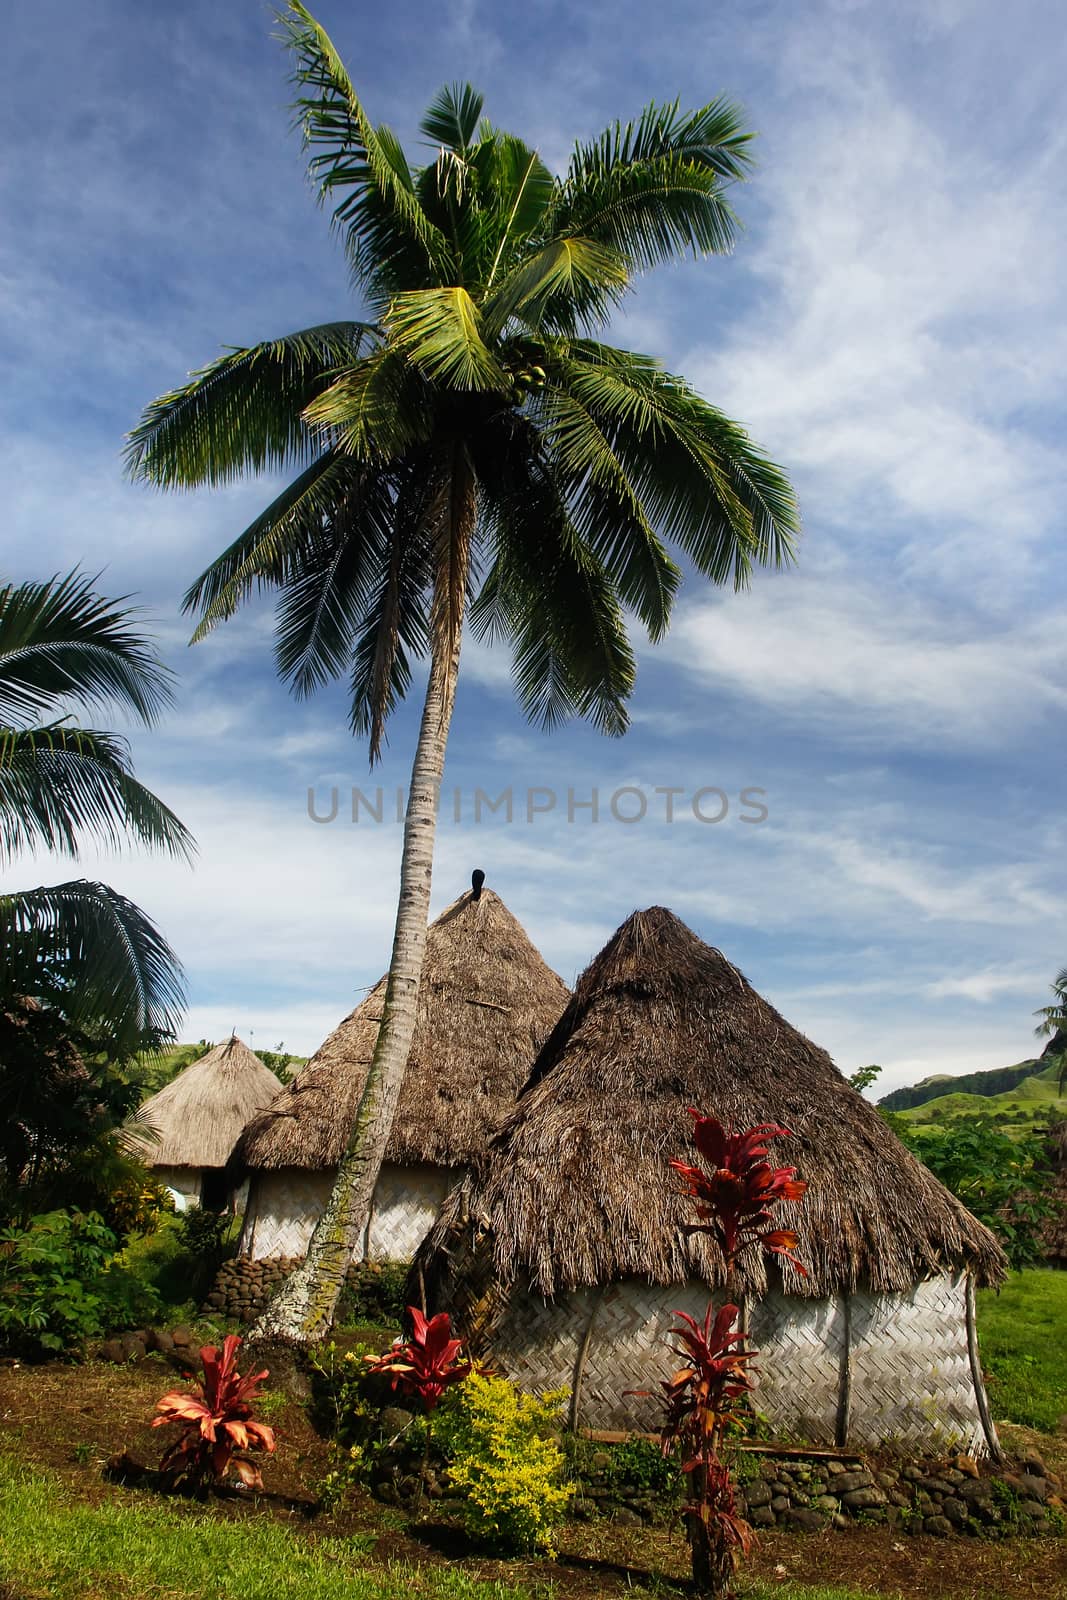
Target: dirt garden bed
pixel 72 1419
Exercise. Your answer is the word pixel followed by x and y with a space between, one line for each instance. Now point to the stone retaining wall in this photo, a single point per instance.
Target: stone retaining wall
pixel 242 1287
pixel 808 1494
pixel 790 1492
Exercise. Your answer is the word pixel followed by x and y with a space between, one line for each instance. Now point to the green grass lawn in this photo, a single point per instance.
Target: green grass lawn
pixel 1023 1336
pixel 53 1548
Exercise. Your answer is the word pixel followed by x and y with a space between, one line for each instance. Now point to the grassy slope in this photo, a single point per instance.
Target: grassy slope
pixel 1023 1334
pixel 54 1549
pixel 1027 1103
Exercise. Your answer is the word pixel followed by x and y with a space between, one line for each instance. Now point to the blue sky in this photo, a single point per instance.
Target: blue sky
pixel 891 328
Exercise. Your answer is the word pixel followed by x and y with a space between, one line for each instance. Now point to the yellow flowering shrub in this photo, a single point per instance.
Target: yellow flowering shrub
pixel 503 1459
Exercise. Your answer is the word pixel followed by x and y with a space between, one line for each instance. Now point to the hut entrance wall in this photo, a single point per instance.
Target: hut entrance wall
pixel 901 1359
pixel 284 1206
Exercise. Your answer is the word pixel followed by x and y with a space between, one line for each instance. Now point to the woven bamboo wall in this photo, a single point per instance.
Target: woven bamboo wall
pixel 285 1205
pixel 901 1360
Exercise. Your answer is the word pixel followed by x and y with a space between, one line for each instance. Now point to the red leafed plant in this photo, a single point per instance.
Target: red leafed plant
pixel 736 1190
pixel 216 1423
pixel 424 1366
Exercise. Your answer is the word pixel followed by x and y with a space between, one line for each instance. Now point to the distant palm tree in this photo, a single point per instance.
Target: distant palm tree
pixel 471 454
pixel 80 946
pixel 1054 1021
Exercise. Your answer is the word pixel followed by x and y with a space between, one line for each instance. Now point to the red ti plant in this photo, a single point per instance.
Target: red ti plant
pixel 217 1422
pixel 736 1190
pixel 423 1366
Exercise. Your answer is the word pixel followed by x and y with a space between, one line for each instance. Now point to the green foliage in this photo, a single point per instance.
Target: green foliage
pixel 79 947
pixel 62 1140
pixel 342 1408
pixel 282 1062
pixel 865 1076
pixel 60 1285
pixel 1001 1178
pixel 504 1459
pixel 640 1464
pixel 374 1294
pixel 339 1388
pixel 179 1259
pixel 1024 1353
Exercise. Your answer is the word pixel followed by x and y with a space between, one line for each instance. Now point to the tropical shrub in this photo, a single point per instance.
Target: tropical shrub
pixel 61 1285
pixel 505 1461
pixel 1001 1177
pixel 217 1423
pixel 735 1190
pixel 423 1366
pixel 374 1293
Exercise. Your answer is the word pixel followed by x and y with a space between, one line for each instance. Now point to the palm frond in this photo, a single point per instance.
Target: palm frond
pixel 329 587
pixel 83 943
pixel 262 556
pixel 387 231
pixel 61 641
pixel 243 412
pixel 396 626
pixel 702 482
pixel 606 509
pixel 654 189
pixel 570 282
pixel 439 331
pixel 59 783
pixel 520 189
pixel 546 593
pixel 137 1134
pixel 1054 1017
pixel 452 116
pixel 376 410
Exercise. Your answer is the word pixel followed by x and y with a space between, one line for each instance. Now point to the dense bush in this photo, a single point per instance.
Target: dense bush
pixel 999 1176
pixel 179 1259
pixel 60 1284
pixel 374 1294
pixel 504 1459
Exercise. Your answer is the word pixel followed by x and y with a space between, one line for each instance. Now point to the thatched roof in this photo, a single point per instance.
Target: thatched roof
pixel 576 1188
pixel 199 1115
pixel 486 1005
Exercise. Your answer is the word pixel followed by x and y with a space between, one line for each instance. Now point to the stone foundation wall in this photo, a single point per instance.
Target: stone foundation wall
pixel 809 1494
pixel 242 1287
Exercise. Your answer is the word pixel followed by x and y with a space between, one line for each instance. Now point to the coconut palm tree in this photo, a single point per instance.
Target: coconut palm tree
pixel 471 454
pixel 81 947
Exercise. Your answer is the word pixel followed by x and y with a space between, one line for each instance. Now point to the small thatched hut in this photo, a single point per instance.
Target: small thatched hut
pixel 200 1115
pixel 563 1255
pixel 486 1005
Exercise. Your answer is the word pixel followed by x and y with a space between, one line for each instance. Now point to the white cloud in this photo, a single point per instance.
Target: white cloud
pixel 982 987
pixel 912 309
pixel 882 667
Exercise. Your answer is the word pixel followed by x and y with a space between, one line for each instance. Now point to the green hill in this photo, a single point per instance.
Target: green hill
pixel 1031 1095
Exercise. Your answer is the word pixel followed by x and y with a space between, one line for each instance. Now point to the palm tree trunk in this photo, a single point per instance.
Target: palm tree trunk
pixel 303 1309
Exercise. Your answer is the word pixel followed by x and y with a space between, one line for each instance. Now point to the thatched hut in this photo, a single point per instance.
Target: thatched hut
pixel 1055 1231
pixel 563 1255
pixel 200 1115
pixel 487 1003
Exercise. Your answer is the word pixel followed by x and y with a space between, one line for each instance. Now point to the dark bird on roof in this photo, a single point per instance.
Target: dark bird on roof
pixel 477 879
